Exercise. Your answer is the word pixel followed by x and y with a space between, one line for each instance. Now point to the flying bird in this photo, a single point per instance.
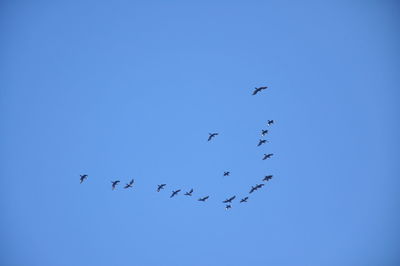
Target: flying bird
pixel 189 193
pixel 129 184
pixel 114 184
pixel 174 193
pixel 227 173
pixel 264 132
pixel 83 177
pixel 160 187
pixel 203 199
pixel 244 199
pixel 257 90
pixel 267 178
pixel 211 135
pixel 261 142
pixel 270 122
pixel 229 200
pixel 256 187
pixel 267 156
pixel 259 186
pixel 228 206
pixel 252 189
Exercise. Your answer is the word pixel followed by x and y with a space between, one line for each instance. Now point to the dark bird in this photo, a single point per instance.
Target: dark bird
pixel 227 173
pixel 189 193
pixel 229 200
pixel 261 142
pixel 267 156
pixel 174 193
pixel 256 187
pixel 270 122
pixel 264 132
pixel 114 184
pixel 129 184
pixel 244 199
pixel 267 177
pixel 228 206
pixel 203 199
pixel 160 187
pixel 83 177
pixel 211 135
pixel 257 90
pixel 259 186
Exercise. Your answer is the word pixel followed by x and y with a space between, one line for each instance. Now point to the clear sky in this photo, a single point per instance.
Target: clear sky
pixel 131 89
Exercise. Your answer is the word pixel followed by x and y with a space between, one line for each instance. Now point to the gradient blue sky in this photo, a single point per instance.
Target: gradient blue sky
pixel 130 89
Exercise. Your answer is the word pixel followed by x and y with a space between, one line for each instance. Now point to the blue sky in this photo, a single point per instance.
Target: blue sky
pixel 130 89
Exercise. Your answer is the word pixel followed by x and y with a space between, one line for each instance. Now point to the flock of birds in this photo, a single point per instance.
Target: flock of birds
pixel 228 201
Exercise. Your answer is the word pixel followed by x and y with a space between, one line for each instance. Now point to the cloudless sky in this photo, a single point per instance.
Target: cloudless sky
pixel 131 89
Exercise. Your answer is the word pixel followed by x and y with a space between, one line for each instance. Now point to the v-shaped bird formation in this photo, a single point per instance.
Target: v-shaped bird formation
pixel 228 201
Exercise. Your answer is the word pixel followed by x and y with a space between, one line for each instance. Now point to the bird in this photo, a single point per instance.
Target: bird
pixel 267 156
pixel 160 187
pixel 114 184
pixel 83 177
pixel 261 142
pixel 257 90
pixel 256 187
pixel 189 193
pixel 270 122
pixel 252 189
pixel 129 184
pixel 229 200
pixel 264 132
pixel 259 186
pixel 227 173
pixel 228 206
pixel 174 193
pixel 267 177
pixel 211 135
pixel 244 199
pixel 203 199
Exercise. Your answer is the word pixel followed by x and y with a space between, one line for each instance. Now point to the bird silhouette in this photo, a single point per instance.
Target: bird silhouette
pixel 229 200
pixel 83 177
pixel 114 184
pixel 264 132
pixel 160 187
pixel 204 198
pixel 129 184
pixel 261 142
pixel 252 189
pixel 174 193
pixel 228 206
pixel 189 193
pixel 267 156
pixel 259 186
pixel 267 178
pixel 244 199
pixel 257 90
pixel 227 173
pixel 212 135
pixel 270 122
